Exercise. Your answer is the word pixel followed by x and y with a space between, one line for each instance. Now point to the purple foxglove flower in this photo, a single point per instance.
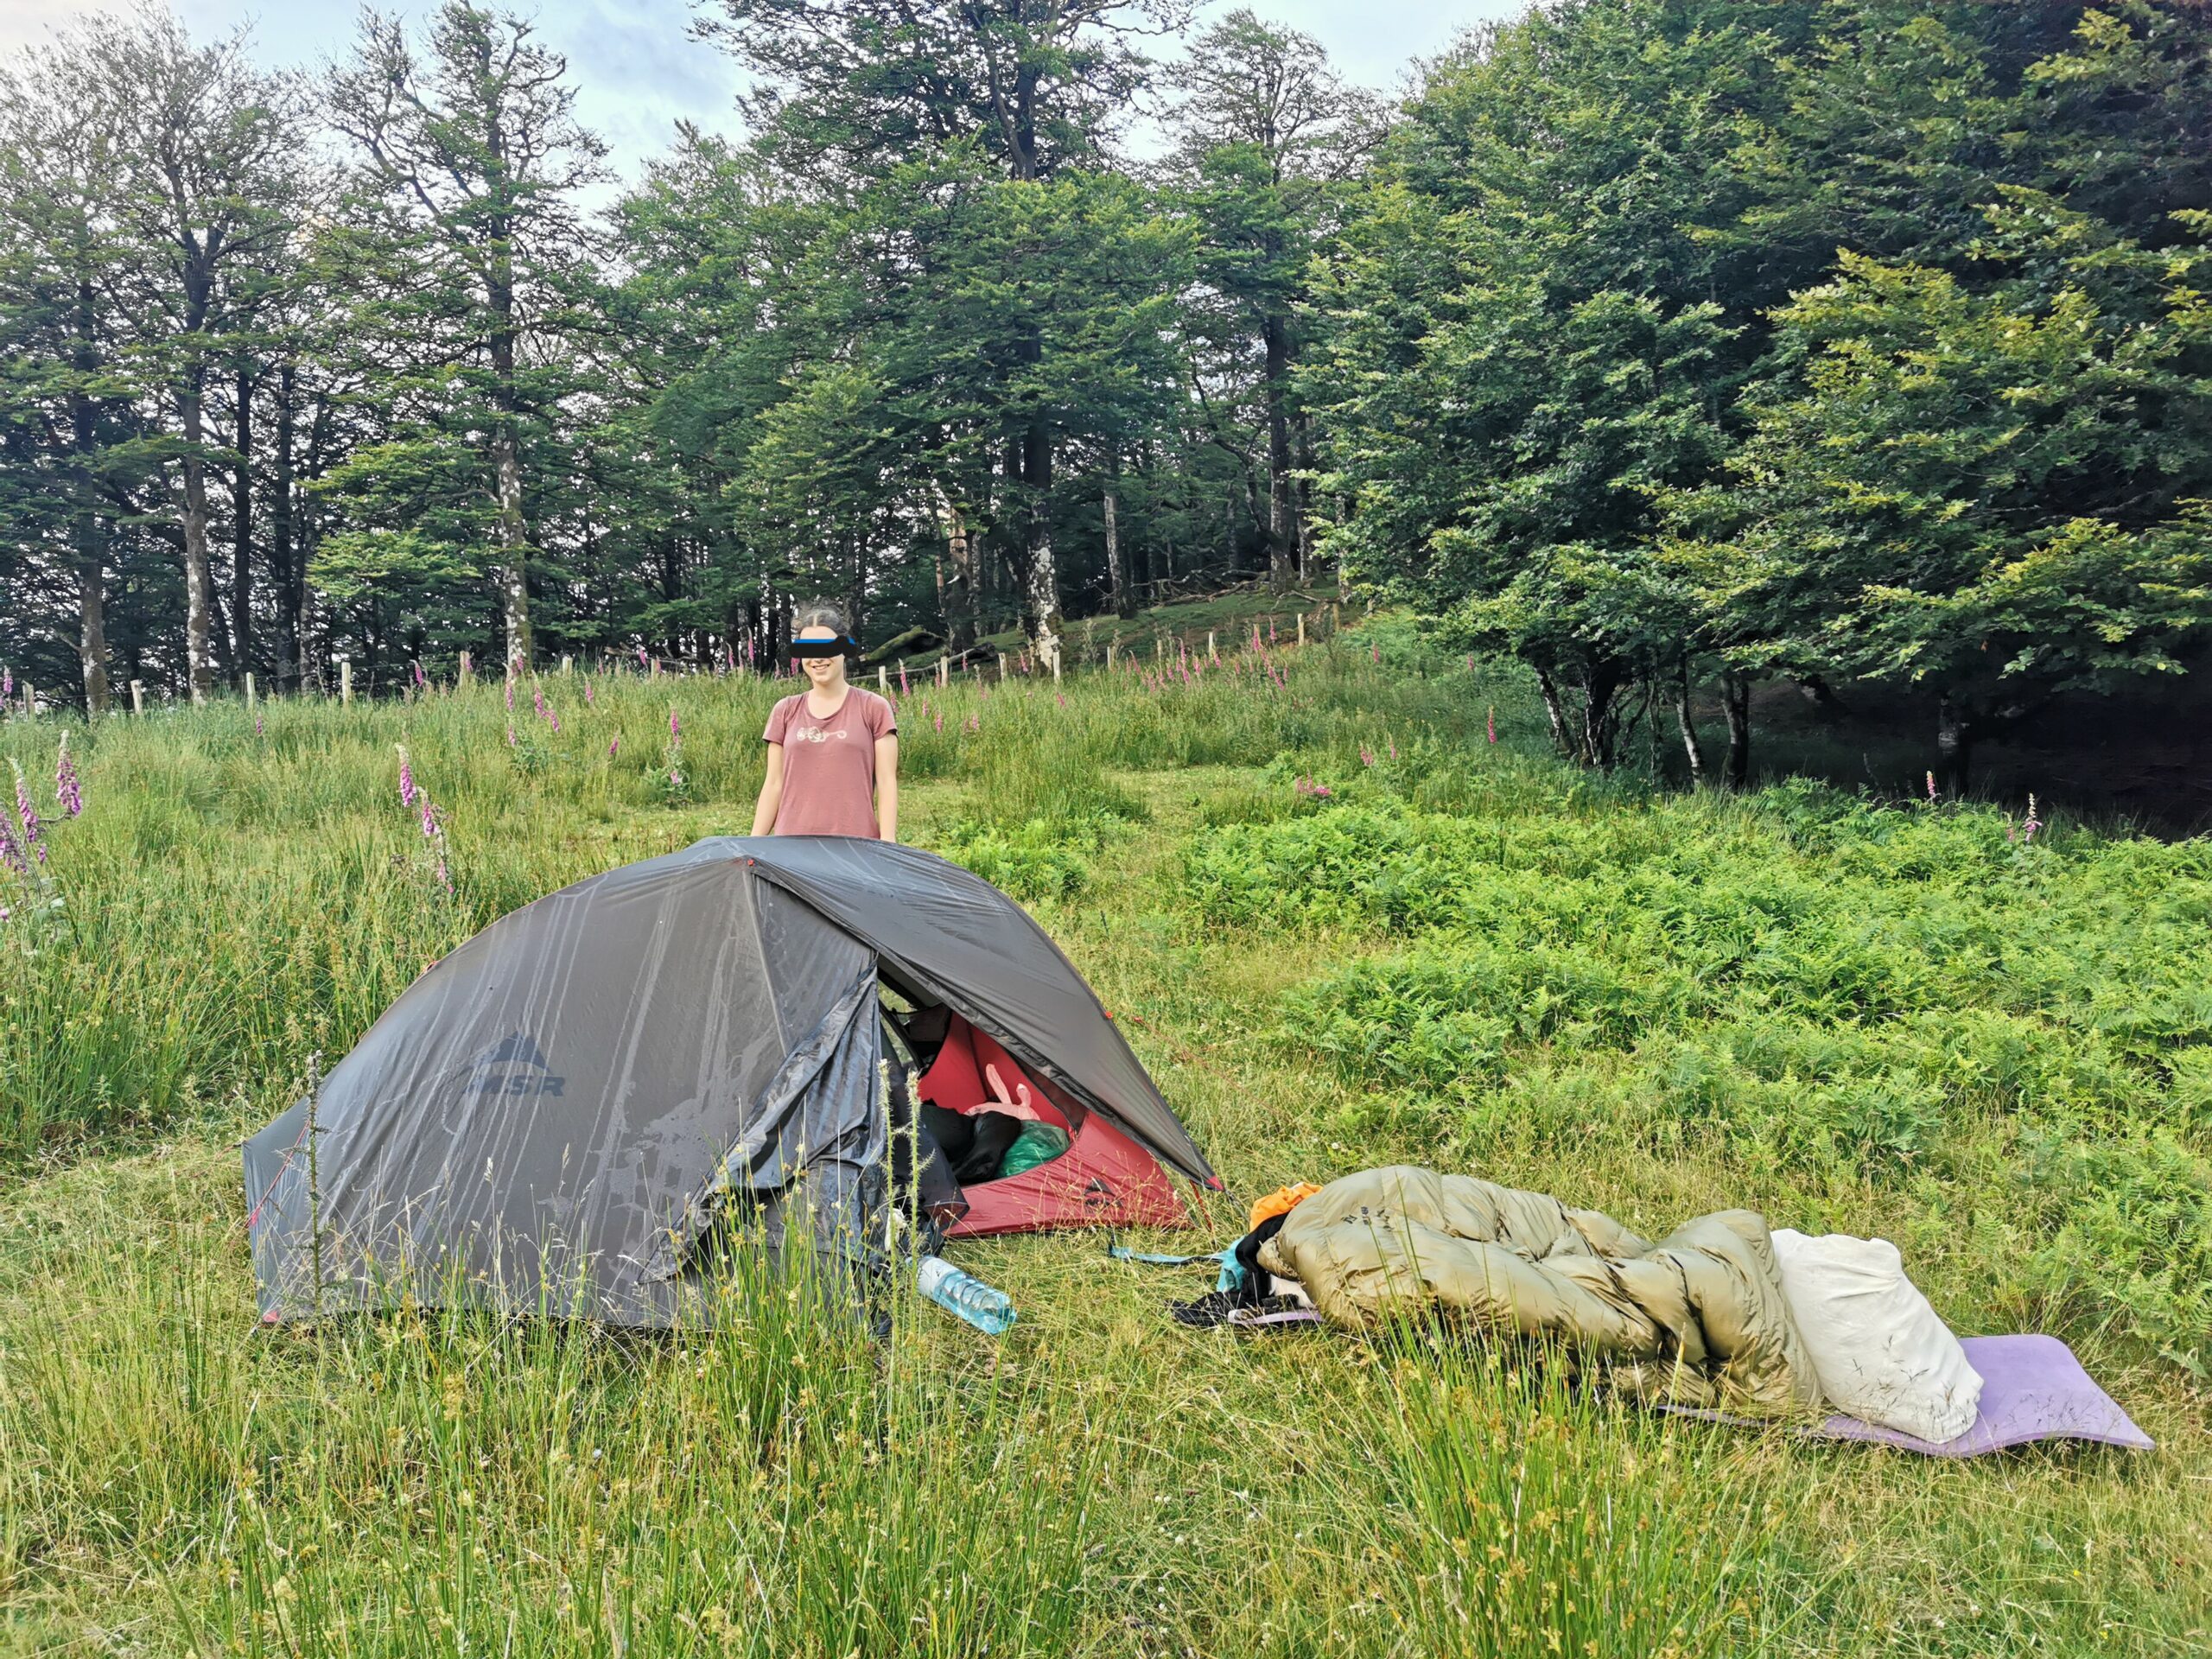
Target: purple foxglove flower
pixel 675 725
pixel 612 746
pixel 511 694
pixel 1931 785
pixel 407 791
pixel 27 815
pixel 67 794
pixel 904 690
pixel 511 737
pixel 1366 755
pixel 589 702
pixel 1490 725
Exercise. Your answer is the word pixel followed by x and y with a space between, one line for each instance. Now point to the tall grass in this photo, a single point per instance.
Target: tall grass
pixel 1464 953
pixel 244 888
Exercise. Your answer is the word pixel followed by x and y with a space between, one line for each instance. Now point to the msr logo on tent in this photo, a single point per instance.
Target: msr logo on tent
pixel 514 1065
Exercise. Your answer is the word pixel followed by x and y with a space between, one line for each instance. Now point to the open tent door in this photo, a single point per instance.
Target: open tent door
pixel 1104 1178
pixel 943 935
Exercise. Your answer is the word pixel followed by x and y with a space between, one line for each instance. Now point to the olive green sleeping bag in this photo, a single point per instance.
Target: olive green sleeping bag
pixel 1697 1319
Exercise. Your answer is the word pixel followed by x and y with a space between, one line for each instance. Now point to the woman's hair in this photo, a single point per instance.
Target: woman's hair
pixel 821 614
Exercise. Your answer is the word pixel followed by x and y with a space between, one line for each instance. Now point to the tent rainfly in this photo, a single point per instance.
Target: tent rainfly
pixel 554 1117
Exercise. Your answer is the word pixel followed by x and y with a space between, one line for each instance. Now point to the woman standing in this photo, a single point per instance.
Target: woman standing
pixel 833 749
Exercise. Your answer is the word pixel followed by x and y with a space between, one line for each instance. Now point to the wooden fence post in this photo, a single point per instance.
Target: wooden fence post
pixel 883 679
pixel 31 699
pixel 943 673
pixel 1211 651
pixel 248 694
pixel 1109 656
pixel 1302 627
pixel 345 681
pixel 567 663
pixel 656 673
pixel 138 697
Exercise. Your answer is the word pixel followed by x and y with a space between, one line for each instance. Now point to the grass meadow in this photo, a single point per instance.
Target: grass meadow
pixel 1351 912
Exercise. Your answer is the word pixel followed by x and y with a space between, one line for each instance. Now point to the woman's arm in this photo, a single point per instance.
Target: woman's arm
pixel 886 786
pixel 771 793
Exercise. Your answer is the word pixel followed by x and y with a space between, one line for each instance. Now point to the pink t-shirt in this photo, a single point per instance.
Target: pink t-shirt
pixel 830 763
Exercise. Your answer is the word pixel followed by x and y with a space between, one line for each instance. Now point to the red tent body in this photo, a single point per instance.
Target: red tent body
pixel 1104 1179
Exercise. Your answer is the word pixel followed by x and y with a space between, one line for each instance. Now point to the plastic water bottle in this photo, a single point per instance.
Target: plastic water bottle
pixel 987 1310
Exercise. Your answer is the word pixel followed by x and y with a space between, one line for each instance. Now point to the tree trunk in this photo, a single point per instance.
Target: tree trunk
pixel 960 582
pixel 506 441
pixel 1601 722
pixel 242 531
pixel 779 629
pixel 283 576
pixel 1554 711
pixel 1117 575
pixel 1691 747
pixel 1303 504
pixel 1275 333
pixel 514 573
pixel 856 587
pixel 91 579
pixel 92 614
pixel 1736 700
pixel 1954 745
pixel 1040 570
pixel 199 653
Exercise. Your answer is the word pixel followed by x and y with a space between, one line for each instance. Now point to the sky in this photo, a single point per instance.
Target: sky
pixel 638 70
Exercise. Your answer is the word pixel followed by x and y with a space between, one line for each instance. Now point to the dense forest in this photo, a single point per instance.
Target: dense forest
pixel 1668 346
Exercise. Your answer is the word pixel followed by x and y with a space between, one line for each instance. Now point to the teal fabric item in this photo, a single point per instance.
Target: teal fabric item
pixel 1038 1143
pixel 1232 1270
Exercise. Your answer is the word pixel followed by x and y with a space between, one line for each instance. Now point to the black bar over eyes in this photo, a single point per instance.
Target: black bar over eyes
pixel 820 647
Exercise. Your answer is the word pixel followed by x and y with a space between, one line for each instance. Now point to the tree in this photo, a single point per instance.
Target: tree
pixel 472 159
pixel 66 397
pixel 1962 494
pixel 205 150
pixel 1266 135
pixel 1028 89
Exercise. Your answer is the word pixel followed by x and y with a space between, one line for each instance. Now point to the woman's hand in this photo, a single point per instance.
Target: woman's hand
pixel 772 792
pixel 886 786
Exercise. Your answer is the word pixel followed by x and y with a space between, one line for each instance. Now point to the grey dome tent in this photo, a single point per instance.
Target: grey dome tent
pixel 556 1116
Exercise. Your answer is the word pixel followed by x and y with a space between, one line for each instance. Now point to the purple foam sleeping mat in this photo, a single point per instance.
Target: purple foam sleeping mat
pixel 2032 1388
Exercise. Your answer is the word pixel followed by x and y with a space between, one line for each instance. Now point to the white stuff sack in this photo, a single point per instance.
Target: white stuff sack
pixel 1880 1352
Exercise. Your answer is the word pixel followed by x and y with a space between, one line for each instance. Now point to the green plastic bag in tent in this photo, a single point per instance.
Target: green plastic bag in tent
pixel 1038 1143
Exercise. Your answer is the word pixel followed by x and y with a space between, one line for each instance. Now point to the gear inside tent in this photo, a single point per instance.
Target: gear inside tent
pixel 561 1113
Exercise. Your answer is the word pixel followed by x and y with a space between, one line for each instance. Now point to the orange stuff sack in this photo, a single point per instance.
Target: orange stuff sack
pixel 1281 1202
